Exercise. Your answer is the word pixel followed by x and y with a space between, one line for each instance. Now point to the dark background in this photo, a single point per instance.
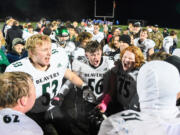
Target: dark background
pixel 164 13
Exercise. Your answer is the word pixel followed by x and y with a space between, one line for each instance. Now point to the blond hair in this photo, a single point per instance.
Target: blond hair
pixel 10 21
pixel 13 86
pixel 35 40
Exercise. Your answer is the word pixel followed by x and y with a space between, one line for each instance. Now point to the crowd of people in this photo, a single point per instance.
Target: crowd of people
pixel 88 78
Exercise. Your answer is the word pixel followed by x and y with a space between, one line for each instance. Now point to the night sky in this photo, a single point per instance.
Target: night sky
pixel 165 14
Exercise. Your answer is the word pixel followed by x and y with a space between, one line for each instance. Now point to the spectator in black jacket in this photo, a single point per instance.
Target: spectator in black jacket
pixel 3 28
pixel 14 32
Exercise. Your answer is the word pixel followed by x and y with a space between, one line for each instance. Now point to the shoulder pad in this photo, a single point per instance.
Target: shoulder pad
pixel 82 59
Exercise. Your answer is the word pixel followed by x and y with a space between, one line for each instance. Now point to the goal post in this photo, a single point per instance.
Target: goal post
pixel 104 9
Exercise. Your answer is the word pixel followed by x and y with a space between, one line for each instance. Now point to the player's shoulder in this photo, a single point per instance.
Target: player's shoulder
pixel 18 64
pixel 59 53
pixel 125 116
pixel 15 120
pixel 150 43
pixel 81 59
pixel 168 38
pixel 71 44
pixel 78 52
pixel 57 50
pixel 119 122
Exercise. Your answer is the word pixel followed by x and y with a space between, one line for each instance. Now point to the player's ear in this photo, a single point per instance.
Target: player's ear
pixel 30 52
pixel 23 101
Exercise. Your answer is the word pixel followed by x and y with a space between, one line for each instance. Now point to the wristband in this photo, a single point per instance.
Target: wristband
pixel 106 99
pixel 83 85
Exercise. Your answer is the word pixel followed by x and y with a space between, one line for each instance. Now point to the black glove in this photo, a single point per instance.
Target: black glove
pixel 57 100
pixel 95 117
pixel 41 104
pixel 88 95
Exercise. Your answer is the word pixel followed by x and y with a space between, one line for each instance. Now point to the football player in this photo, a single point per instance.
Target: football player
pixel 146 45
pixel 83 38
pixel 17 96
pixel 47 67
pixel 170 42
pixel 91 68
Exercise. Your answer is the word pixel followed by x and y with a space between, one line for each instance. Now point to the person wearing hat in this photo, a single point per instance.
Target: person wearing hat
pixel 18 52
pixel 63 40
pixel 165 32
pixel 124 42
pixel 157 37
pixel 62 35
pixel 136 30
pixel 72 33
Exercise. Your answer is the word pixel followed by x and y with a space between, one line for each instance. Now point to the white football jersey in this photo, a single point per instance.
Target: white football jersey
pixel 145 45
pixel 16 123
pixel 135 123
pixel 48 81
pixel 26 34
pixel 107 49
pixel 167 43
pixel 92 76
pixel 89 29
pixel 79 51
pixel 68 48
pixel 99 36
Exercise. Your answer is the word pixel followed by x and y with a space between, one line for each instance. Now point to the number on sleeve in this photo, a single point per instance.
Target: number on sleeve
pixel 17 64
pixel 14 118
pixel 130 116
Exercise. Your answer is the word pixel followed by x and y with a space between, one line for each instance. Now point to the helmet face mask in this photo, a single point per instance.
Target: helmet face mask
pixel 62 32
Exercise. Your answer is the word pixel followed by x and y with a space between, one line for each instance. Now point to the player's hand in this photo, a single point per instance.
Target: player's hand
pixel 104 103
pixel 57 100
pixel 88 95
pixel 96 117
pixel 41 104
pixel 102 107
